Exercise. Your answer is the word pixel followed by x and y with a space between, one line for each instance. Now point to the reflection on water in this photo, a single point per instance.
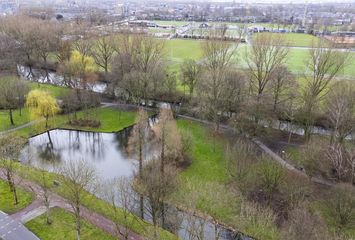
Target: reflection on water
pixel 51 77
pixel 105 151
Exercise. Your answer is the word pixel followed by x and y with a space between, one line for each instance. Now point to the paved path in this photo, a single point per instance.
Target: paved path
pixel 36 208
pixel 12 229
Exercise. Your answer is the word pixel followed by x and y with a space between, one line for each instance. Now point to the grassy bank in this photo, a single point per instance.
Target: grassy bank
pixel 7 201
pixel 97 205
pixel 62 227
pixel 20 118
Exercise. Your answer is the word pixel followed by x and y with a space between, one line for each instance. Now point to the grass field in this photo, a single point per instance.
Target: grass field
pixel 294 39
pixel 111 119
pixel 62 227
pixel 177 50
pixel 55 91
pixel 7 202
pixel 19 119
pixel 171 23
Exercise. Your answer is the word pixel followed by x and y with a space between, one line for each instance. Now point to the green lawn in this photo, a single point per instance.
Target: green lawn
pixel 62 227
pixel 177 50
pixel 171 23
pixel 295 39
pixel 7 202
pixel 55 91
pixel 112 120
pixel 19 119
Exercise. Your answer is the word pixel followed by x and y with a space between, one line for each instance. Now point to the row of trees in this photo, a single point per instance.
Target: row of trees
pixel 266 89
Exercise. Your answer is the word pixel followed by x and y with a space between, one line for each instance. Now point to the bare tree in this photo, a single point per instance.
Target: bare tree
pixel 190 70
pixel 217 59
pixel 78 179
pixel 10 54
pixel 48 40
pixel 46 186
pixel 137 144
pixel 264 57
pixel 103 52
pixel 10 148
pixel 12 95
pixel 281 84
pixel 157 187
pixel 23 29
pixel 324 64
pixel 168 138
pixel 341 111
pixel 337 156
pixel 138 61
pixel 120 195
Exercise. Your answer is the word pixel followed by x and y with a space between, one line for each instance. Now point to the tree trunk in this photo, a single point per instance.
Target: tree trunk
pixel 14 191
pixel 162 155
pixel 78 224
pixel 11 117
pixel 141 198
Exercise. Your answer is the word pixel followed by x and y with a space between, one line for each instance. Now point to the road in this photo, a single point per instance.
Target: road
pixel 11 229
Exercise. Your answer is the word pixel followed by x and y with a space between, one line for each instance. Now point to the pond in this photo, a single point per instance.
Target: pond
pixel 106 152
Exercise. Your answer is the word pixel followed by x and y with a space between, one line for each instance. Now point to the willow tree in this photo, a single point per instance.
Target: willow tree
pixel 42 105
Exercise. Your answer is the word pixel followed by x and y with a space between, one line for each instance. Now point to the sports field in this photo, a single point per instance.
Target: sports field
pixel 295 39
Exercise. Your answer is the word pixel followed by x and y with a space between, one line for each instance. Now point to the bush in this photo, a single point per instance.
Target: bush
pixel 272 176
pixel 302 224
pixel 340 208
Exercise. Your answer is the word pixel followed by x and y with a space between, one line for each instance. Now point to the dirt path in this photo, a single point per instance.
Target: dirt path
pixel 36 208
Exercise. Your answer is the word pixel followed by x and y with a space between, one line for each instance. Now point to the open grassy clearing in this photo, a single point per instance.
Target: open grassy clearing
pixel 62 227
pixel 294 39
pixel 20 118
pixel 7 202
pixel 177 50
pixel 56 91
pixel 171 23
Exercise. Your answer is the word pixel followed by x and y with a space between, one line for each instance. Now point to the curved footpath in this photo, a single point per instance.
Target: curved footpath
pixel 37 208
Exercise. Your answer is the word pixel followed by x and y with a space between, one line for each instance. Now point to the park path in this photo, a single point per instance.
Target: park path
pixel 37 208
pixel 19 127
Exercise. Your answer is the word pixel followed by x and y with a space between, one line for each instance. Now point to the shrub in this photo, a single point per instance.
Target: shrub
pixel 271 175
